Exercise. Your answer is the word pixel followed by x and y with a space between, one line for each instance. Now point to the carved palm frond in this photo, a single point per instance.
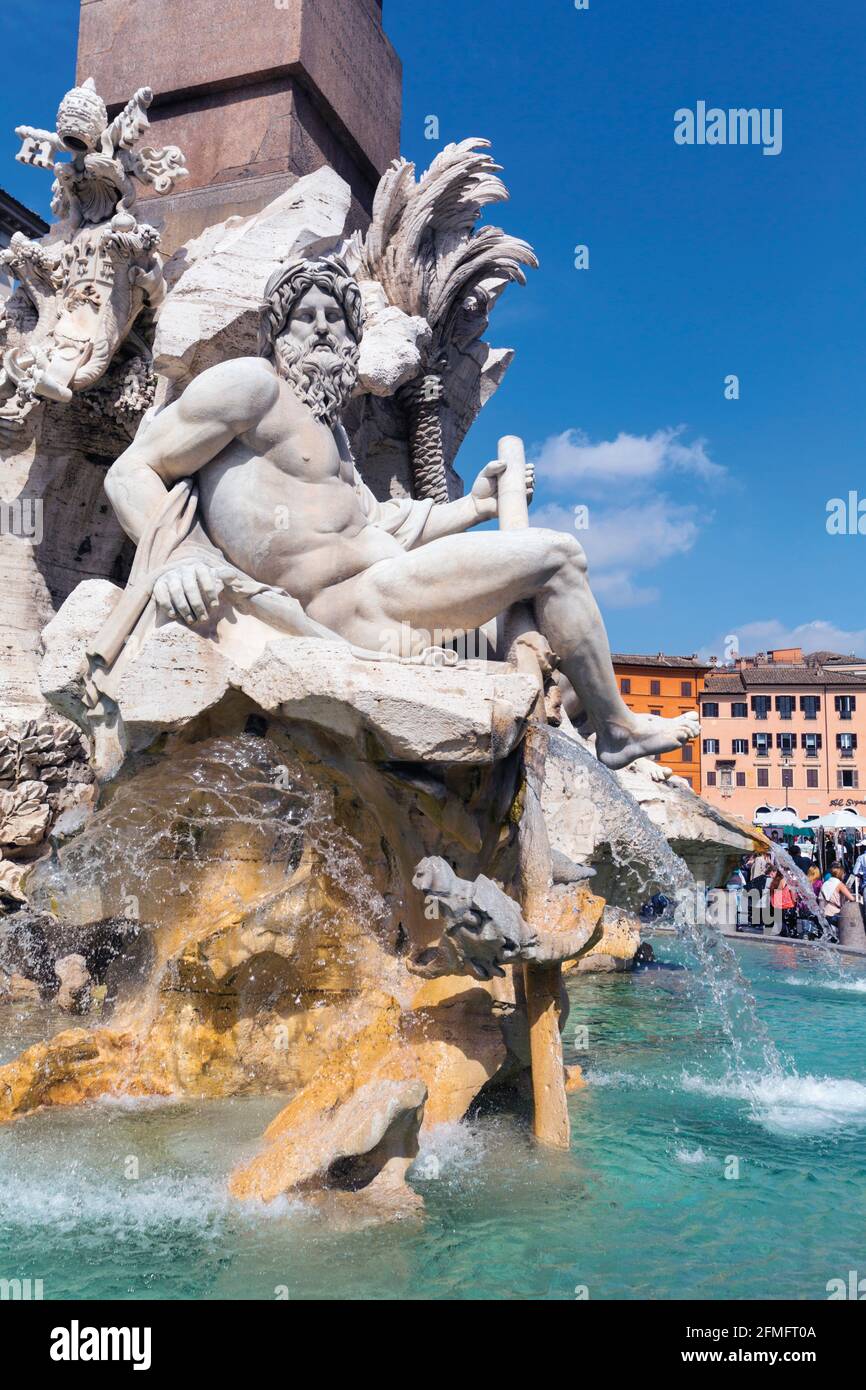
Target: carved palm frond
pixel 423 246
pixel 433 262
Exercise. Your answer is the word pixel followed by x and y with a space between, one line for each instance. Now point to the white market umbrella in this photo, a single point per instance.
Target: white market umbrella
pixel 783 816
pixel 839 820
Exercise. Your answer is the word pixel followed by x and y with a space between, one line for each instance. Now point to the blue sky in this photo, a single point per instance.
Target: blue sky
pixel 707 515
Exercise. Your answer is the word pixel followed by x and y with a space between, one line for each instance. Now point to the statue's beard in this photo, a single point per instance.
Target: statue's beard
pixel 323 375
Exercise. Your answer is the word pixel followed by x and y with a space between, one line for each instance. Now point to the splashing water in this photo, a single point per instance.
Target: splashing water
pixel 829 958
pixel 801 887
pixel 197 840
pixel 646 864
pixel 792 1104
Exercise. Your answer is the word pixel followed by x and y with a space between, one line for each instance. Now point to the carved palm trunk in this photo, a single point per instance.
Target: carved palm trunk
pixel 421 400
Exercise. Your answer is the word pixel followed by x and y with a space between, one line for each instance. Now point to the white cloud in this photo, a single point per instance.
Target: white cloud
pixel 570 458
pixel 649 527
pixel 619 542
pixel 618 590
pixel 767 634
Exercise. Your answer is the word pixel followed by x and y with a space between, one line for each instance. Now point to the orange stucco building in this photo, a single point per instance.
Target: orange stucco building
pixel 669 686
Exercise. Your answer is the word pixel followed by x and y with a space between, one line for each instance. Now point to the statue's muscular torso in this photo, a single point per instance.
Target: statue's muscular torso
pixel 280 503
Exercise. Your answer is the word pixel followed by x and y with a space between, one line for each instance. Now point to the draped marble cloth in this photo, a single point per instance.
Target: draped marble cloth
pixel 176 535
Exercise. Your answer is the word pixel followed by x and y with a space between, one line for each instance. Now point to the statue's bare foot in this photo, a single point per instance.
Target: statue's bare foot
pixel 657 772
pixel 644 736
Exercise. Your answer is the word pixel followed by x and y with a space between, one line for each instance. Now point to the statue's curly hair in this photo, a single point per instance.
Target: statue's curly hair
pixel 290 282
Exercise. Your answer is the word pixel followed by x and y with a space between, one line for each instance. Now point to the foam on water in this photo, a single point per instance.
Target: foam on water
pixel 694 1157
pixel 795 1105
pixel 621 1080
pixel 782 1104
pixel 450 1151
pixel 63 1207
pixel 847 986
pixel 120 1100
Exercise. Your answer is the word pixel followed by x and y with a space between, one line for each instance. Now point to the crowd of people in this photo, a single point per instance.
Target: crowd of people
pixel 812 909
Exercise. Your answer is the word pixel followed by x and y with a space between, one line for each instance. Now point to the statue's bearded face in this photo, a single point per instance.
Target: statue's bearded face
pixel 318 355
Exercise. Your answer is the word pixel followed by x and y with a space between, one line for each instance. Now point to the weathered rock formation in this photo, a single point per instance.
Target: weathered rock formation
pixel 268 862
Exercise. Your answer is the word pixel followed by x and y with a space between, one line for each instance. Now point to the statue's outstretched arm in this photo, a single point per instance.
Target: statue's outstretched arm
pixel 214 409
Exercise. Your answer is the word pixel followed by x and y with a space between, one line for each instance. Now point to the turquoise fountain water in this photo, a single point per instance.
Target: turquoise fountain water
pixel 642 1206
pixel 723 1130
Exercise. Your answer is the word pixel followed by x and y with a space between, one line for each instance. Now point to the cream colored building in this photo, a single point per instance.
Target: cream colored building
pixel 785 733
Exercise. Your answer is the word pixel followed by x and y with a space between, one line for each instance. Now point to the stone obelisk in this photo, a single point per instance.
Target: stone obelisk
pixel 256 93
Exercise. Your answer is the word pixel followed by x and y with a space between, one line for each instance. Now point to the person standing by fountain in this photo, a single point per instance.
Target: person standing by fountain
pixel 784 903
pixel 833 893
pixel 859 872
pixel 758 867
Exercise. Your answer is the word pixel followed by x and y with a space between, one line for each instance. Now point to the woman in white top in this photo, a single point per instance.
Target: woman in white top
pixel 833 890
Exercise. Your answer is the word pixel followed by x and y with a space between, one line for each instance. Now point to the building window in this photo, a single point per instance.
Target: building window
pixel 810 705
pixel 686 689
pixel 761 744
pixel 785 706
pixel 846 744
pixel 761 705
pixel 739 710
pixel 786 743
pixel 711 745
pixel 740 745
pixel 811 776
pixel 787 777
pixel 763 777
pixel 812 744
pixel 741 779
pixel 846 777
pixel 687 753
pixel 655 711
pixel 710 710
pixel 655 687
pixel 845 705
pixel 625 686
pixel 711 779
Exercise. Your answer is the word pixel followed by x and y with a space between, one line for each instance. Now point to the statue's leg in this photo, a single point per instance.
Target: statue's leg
pixel 459 582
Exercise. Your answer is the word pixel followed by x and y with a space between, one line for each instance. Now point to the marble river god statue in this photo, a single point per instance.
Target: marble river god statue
pixel 243 496
pixel 290 842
